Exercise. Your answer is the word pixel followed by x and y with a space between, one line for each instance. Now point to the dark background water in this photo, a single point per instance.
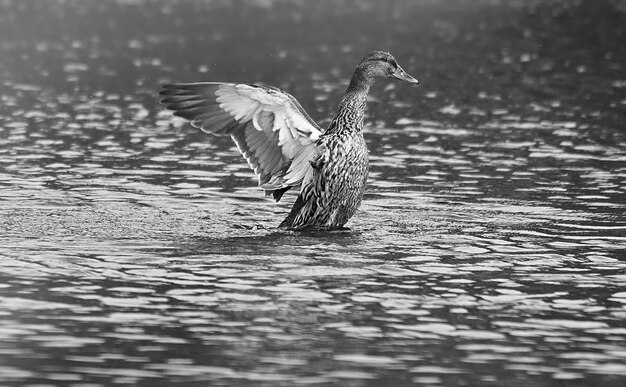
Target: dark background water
pixel 490 248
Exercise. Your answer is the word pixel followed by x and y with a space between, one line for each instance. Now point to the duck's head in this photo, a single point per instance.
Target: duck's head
pixel 380 64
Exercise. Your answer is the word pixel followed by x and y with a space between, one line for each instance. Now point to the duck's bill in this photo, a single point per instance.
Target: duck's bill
pixel 403 76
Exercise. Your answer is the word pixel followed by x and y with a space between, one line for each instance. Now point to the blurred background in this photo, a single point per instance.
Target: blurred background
pixel 560 59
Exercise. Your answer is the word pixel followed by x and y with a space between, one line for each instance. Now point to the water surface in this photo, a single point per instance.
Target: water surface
pixel 490 248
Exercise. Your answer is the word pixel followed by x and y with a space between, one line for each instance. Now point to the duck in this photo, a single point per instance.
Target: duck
pixel 285 147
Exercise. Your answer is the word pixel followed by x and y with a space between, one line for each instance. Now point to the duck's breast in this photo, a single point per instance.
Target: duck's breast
pixel 341 181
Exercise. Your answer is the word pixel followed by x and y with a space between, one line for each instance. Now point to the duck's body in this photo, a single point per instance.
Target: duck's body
pixel 340 172
pixel 285 147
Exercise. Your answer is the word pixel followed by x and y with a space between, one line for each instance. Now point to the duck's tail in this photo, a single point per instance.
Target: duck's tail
pixel 290 221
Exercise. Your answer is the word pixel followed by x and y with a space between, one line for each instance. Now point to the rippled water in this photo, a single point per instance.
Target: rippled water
pixel 490 248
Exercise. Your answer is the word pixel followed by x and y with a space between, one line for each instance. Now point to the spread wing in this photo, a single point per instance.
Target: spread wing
pixel 272 131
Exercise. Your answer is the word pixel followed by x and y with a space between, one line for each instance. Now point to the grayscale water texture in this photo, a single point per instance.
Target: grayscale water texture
pixel 490 248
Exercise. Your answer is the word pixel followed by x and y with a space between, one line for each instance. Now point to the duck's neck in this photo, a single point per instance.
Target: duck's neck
pixel 351 112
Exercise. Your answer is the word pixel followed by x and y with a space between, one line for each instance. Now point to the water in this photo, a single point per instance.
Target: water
pixel 490 248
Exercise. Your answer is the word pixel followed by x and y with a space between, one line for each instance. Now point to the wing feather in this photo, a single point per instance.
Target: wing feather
pixel 270 128
pixel 262 148
pixel 213 120
pixel 277 163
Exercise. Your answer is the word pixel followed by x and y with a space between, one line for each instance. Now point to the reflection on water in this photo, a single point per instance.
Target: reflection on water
pixel 489 250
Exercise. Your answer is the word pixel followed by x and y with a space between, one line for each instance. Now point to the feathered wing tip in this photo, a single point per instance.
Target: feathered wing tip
pixel 269 127
pixel 277 194
pixel 196 102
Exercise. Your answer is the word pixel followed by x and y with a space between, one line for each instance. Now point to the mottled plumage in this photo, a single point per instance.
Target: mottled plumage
pixel 283 145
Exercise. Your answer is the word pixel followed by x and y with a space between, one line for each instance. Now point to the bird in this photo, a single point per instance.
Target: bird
pixel 285 147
